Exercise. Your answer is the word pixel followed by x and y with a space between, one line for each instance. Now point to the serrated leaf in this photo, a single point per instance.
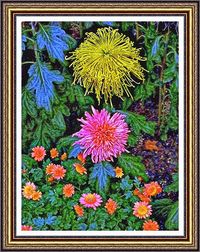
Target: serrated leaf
pixel 66 141
pixel 132 140
pixel 54 39
pixel 132 165
pixel 75 151
pixel 139 124
pixel 101 172
pixel 28 103
pixel 40 82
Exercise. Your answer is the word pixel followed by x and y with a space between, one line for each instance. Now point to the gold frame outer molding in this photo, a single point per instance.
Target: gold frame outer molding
pixel 188 9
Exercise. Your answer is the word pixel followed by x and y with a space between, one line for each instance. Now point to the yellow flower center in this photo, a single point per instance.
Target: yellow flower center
pixel 90 199
pixel 152 190
pixel 142 210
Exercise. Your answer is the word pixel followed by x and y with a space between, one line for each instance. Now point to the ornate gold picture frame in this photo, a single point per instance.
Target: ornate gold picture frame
pixel 188 10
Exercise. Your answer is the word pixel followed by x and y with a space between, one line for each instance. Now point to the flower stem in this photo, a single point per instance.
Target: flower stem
pixel 28 62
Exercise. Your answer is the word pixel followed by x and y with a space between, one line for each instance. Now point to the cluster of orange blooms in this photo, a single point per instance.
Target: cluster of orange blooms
pixel 142 209
pixel 110 206
pixel 29 192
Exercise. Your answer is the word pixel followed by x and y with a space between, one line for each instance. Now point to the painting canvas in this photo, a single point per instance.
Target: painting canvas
pixel 100 126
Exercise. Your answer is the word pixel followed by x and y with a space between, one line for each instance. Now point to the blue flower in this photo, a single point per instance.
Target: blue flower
pixel 54 39
pixel 38 222
pixel 124 185
pixel 82 226
pixel 93 226
pixel 108 23
pixel 50 219
pixel 40 82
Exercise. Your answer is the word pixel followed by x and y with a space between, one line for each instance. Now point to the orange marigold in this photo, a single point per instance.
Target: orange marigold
pixel 111 206
pixel 51 179
pixel 54 153
pixel 118 172
pixel 36 195
pixel 81 158
pixel 152 189
pixel 68 190
pixel 58 172
pixel 28 190
pixel 63 156
pixel 150 225
pixel 80 168
pixel 151 145
pixel 49 168
pixel 79 210
pixel 38 153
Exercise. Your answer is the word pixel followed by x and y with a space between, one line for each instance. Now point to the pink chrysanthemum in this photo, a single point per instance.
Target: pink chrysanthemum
pixel 91 200
pixel 102 136
pixel 142 210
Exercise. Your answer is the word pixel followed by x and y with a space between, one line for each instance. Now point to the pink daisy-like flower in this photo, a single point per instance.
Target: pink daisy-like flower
pixel 102 136
pixel 91 200
pixel 142 210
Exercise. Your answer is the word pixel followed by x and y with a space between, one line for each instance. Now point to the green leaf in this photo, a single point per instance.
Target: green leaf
pixel 162 207
pixel 28 103
pixel 132 165
pixel 28 161
pixel 132 140
pixel 126 103
pixel 173 187
pixel 139 124
pixel 172 219
pixel 66 142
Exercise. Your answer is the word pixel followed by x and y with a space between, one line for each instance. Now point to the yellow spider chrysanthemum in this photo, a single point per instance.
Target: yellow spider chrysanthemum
pixel 105 64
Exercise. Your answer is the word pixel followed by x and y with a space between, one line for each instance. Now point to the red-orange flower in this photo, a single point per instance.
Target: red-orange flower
pixel 38 153
pixel 79 210
pixel 58 172
pixel 151 145
pixel 68 190
pixel 64 156
pixel 54 153
pixel 152 189
pixel 81 158
pixel 150 226
pixel 26 228
pixel 111 206
pixel 80 168
pixel 36 195
pixel 144 198
pixel 141 195
pixel 49 168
